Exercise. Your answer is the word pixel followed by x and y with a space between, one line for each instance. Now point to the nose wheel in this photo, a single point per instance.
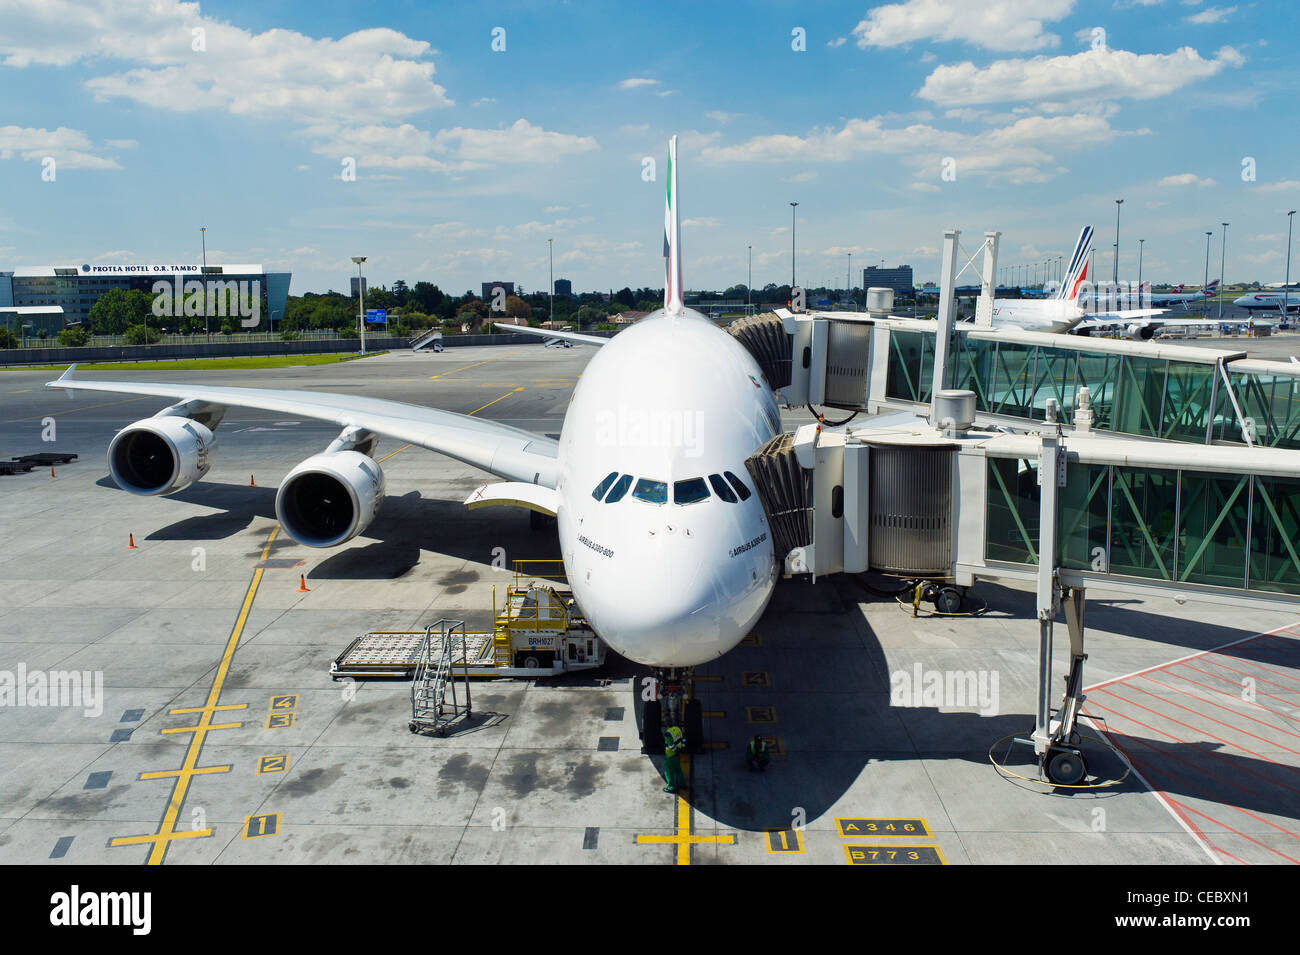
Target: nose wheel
pixel 675 706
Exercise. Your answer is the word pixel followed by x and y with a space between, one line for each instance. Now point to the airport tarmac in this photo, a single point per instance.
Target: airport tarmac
pixel 223 739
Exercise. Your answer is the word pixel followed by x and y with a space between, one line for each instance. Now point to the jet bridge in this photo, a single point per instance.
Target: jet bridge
pixel 1064 460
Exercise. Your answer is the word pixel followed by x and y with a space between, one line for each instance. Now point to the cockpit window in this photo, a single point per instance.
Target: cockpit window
pixel 603 486
pixel 652 492
pixel 736 483
pixel 690 491
pixel 620 489
pixel 720 488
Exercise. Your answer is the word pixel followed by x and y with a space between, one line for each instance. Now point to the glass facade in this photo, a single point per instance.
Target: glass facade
pixel 1223 530
pixel 1177 400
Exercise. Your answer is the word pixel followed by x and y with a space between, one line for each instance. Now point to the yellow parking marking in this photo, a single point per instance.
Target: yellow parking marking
pixel 448 374
pixel 391 453
pixel 882 827
pixel 752 640
pixel 284 702
pixel 275 763
pixel 894 855
pixel 717 744
pixel 264 824
pixel 167 832
pixel 20 391
pixel 760 714
pixel 714 714
pixel 708 679
pixel 203 709
pixel 280 721
pixel 202 727
pixel 202 771
pixel 684 838
pixel 784 840
pixel 755 678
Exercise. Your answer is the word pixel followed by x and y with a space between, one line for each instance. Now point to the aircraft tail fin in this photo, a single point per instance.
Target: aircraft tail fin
pixel 672 237
pixel 1077 270
pixel 1211 288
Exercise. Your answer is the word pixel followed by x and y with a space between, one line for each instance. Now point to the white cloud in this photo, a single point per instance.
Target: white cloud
pixel 718 116
pixel 702 222
pixel 1272 237
pixel 1185 179
pixel 1211 15
pixel 837 42
pixel 70 148
pixel 633 82
pixel 483 101
pixel 802 177
pixel 1090 75
pixel 1282 185
pixel 522 142
pixel 556 209
pixel 122 143
pixel 1005 25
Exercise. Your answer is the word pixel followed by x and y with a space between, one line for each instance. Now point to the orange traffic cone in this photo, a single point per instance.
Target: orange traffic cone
pixel 251 482
pixel 130 542
pixel 302 584
pixel 51 470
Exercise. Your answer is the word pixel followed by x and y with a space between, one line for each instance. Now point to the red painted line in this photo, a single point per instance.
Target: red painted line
pixel 1228 854
pixel 1220 706
pixel 1236 683
pixel 1197 730
pixel 1190 656
pixel 1254 677
pixel 1179 676
pixel 1210 718
pixel 1160 794
pixel 1220 822
pixel 1179 759
pixel 1242 834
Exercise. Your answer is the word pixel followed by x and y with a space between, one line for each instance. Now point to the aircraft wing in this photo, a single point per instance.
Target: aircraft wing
pixel 550 333
pixel 499 449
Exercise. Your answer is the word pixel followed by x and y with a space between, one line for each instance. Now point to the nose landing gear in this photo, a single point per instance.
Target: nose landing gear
pixel 675 706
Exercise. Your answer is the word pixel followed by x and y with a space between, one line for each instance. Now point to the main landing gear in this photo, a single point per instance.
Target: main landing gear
pixel 675 706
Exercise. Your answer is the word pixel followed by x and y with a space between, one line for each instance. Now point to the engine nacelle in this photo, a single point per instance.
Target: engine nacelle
pixel 1140 332
pixel 161 455
pixel 330 498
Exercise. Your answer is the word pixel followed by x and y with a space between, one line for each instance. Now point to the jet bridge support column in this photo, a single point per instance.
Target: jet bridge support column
pixel 1055 741
pixel 947 315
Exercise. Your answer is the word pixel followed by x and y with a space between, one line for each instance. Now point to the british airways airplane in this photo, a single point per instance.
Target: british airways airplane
pixel 665 542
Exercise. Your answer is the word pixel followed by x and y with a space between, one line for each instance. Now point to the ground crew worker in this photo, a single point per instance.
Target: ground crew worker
pixel 674 743
pixel 757 754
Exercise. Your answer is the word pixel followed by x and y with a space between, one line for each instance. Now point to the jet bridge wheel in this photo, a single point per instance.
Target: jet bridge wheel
pixel 1066 767
pixel 652 733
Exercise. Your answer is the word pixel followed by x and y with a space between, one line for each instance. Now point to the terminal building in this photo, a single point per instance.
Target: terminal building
pixel 75 289
pixel 898 278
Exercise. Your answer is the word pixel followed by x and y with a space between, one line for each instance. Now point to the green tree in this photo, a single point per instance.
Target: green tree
pixel 141 335
pixel 7 338
pixel 516 307
pixel 74 337
pixel 118 309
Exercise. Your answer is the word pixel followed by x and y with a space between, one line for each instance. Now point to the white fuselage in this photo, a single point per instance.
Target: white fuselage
pixel 1037 315
pixel 671 399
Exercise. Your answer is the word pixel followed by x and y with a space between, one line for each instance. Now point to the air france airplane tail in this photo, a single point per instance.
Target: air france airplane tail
pixel 1077 271
pixel 673 303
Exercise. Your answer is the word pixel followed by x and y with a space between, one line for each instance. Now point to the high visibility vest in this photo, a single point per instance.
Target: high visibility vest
pixel 674 734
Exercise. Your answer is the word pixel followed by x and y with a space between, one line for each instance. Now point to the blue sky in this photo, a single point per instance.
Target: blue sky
pixel 468 158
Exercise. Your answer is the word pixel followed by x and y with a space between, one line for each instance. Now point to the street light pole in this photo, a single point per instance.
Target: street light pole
pixel 1141 244
pixel 203 237
pixel 749 284
pixel 848 277
pixel 1205 308
pixel 1223 256
pixel 793 206
pixel 361 301
pixel 1286 287
pixel 550 257
pixel 1118 203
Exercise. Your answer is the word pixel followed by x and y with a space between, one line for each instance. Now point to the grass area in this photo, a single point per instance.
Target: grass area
pixel 203 364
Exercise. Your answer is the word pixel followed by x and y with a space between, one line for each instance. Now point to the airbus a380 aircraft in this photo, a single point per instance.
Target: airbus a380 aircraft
pixel 666 545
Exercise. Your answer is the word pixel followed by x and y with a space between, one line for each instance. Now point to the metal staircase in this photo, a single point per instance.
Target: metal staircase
pixel 433 675
pixel 426 337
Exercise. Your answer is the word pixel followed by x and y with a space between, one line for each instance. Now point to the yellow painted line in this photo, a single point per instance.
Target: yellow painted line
pixel 202 726
pixel 200 709
pixel 494 401
pixel 201 771
pixel 189 768
pixel 714 714
pixel 20 391
pixel 102 404
pixel 458 370
pixel 684 838
pixel 708 679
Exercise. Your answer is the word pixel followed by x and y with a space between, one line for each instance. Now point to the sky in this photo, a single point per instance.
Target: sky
pixel 449 142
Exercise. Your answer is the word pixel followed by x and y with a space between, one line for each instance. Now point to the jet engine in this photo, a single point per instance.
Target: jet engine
pixel 1140 332
pixel 330 498
pixel 160 455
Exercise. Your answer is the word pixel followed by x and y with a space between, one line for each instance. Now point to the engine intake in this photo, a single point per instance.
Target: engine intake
pixel 330 498
pixel 161 455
